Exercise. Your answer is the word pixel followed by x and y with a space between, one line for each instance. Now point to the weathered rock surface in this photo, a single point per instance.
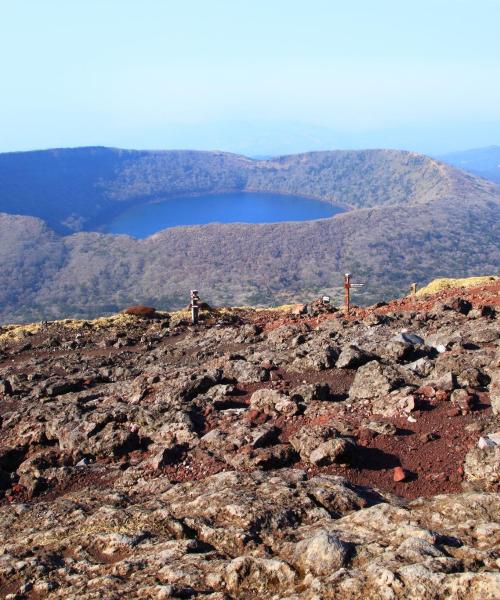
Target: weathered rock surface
pixel 253 455
pixel 234 535
pixel 375 379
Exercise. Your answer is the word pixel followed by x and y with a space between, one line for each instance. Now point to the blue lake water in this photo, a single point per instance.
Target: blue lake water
pixel 238 207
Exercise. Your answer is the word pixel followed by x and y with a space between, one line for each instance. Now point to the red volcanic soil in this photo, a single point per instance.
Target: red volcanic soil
pixel 430 447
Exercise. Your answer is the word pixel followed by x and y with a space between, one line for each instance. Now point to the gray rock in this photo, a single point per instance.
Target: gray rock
pixel 321 444
pixel 381 427
pixel 331 451
pixel 353 357
pixel 322 554
pixel 259 575
pixel 421 367
pixel 245 372
pixel 272 401
pixel 446 382
pixel 484 335
pixel 494 388
pixel 311 391
pixel 374 379
pixel 482 465
pixel 407 337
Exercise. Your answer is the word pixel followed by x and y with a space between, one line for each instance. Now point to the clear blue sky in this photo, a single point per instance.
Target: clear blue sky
pixel 257 76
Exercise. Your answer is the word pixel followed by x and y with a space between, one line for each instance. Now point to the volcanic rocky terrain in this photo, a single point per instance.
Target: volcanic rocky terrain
pixel 282 454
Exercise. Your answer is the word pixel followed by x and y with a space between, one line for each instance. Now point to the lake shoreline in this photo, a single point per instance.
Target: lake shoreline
pixel 252 207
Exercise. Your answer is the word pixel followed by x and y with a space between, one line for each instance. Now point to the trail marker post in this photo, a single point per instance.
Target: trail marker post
pixel 413 288
pixel 347 288
pixel 195 307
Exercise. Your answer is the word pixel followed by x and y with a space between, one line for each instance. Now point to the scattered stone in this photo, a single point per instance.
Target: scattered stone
pixel 399 474
pixel 382 427
pixel 489 441
pixel 424 438
pixel 427 390
pixel 462 399
pixel 441 395
pixel 407 337
pixel 422 367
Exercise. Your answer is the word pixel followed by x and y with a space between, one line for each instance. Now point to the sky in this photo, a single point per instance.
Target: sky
pixel 252 76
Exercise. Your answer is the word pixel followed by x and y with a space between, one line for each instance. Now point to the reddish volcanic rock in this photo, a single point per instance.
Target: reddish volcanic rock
pixel 399 474
pixel 140 311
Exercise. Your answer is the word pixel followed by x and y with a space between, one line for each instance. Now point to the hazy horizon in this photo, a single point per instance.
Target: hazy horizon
pixel 259 79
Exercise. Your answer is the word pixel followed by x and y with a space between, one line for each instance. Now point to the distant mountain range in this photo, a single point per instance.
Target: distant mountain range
pixel 484 162
pixel 409 218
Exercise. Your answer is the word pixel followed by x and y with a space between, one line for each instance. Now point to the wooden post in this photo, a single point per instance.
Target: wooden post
pixel 347 288
pixel 195 308
pixel 413 289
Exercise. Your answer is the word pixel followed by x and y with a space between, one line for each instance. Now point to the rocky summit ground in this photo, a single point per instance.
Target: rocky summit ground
pixel 278 454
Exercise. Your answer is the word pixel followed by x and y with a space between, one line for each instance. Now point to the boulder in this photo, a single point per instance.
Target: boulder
pixel 331 451
pixel 272 457
pixel 272 401
pixel 321 358
pixel 352 357
pixel 311 391
pixel 482 466
pixel 165 455
pixel 484 335
pixel 322 554
pixel 421 367
pixel 244 371
pixel 5 387
pixel 462 399
pixel 446 382
pixel 321 444
pixel 374 379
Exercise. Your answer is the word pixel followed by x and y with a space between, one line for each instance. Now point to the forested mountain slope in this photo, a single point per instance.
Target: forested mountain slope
pixel 413 219
pixel 78 189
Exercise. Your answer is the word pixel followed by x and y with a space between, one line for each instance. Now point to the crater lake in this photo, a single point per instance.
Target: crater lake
pixel 143 220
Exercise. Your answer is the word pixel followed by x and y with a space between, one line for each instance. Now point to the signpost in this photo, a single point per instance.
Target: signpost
pixel 347 287
pixel 195 307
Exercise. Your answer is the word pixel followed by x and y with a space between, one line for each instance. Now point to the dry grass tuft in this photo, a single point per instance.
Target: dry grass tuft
pixel 438 285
